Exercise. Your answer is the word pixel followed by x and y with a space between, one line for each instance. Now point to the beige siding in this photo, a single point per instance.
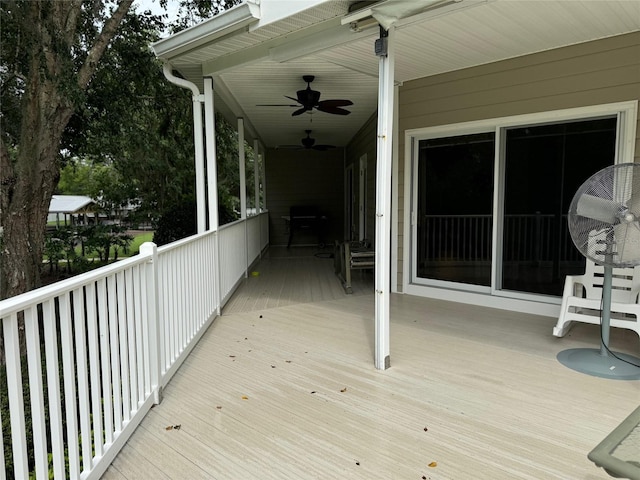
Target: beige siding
pixel 365 143
pixel 305 177
pixel 600 72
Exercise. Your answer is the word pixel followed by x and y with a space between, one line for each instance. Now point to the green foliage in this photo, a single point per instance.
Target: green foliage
pixel 137 126
pixel 102 239
pixel 191 12
pixel 176 223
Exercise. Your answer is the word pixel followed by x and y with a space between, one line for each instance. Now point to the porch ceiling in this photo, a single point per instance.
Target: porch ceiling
pixel 261 63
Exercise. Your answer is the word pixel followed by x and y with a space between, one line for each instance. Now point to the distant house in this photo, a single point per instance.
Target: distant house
pixel 71 210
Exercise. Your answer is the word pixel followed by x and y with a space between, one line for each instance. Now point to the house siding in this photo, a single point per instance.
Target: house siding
pixel 593 73
pixel 305 177
pixel 364 143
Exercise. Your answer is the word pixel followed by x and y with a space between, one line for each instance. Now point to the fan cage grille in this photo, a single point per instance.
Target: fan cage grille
pixel 603 216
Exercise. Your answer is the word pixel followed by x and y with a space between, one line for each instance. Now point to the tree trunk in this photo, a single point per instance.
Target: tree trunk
pixel 52 89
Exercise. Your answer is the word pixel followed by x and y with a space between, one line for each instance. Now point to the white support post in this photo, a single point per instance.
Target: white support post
pixel 212 182
pixel 212 154
pixel 242 165
pixel 256 175
pixel 383 203
pixel 264 179
pixel 243 191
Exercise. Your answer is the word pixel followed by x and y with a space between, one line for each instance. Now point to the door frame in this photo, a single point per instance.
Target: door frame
pixel 626 137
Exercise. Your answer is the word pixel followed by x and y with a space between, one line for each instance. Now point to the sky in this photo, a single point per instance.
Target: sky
pixel 154 6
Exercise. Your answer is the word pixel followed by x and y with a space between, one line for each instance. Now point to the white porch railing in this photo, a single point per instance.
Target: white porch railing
pixel 467 238
pixel 101 346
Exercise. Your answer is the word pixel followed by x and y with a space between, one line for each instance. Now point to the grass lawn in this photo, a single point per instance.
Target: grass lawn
pixel 138 240
pixel 134 247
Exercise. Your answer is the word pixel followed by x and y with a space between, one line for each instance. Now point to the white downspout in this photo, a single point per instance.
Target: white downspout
pixel 198 138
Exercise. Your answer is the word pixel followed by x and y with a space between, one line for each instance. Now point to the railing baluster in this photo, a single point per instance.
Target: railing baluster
pixel 131 291
pixel 34 362
pixel 114 347
pixel 83 380
pixel 139 327
pixel 53 386
pixel 16 400
pixel 105 355
pixel 70 394
pixel 93 338
pixel 123 320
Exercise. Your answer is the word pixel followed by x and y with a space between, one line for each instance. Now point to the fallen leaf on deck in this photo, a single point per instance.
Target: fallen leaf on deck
pixel 244 397
pixel 343 390
pixel 314 392
pixel 357 463
pixel 424 478
pixel 273 366
pixel 170 427
pixel 288 361
pixel 177 427
pixel 232 356
pixel 433 464
pixel 426 429
pixel 219 407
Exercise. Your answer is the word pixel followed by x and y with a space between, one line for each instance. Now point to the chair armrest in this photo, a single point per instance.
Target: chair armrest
pixel 574 286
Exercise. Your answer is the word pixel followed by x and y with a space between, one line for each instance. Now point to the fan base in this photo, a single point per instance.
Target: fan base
pixel 591 362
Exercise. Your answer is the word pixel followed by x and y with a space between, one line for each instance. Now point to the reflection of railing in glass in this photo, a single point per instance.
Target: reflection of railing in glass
pixel 467 238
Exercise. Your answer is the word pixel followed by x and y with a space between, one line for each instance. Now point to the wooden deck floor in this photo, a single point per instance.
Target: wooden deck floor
pixel 287 276
pixel 289 391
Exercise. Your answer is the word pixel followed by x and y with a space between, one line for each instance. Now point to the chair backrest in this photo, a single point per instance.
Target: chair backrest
pixel 625 282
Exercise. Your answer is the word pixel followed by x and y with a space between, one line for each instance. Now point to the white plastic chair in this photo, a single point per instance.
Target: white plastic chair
pixel 582 297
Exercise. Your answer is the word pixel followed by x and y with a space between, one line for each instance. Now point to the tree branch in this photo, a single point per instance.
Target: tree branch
pixel 107 33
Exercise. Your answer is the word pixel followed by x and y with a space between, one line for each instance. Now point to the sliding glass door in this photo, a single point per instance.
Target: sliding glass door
pixel 544 166
pixel 489 203
pixel 455 191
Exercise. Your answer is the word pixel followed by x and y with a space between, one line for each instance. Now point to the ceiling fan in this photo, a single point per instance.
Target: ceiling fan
pixel 307 143
pixel 309 99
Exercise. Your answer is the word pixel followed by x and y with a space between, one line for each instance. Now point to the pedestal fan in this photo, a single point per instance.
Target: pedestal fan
pixel 604 223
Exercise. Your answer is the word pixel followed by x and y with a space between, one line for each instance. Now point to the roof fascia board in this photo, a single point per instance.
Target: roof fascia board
pixel 276 10
pixel 232 20
pixel 401 12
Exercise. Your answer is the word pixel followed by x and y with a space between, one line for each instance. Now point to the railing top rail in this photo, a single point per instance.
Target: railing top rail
pixel 488 215
pixel 20 302
pixel 185 241
pixel 240 220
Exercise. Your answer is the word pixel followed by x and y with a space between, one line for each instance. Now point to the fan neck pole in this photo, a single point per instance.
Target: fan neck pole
pixel 606 310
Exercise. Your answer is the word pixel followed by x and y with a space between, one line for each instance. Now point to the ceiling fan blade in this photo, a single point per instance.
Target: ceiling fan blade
pixel 333 110
pixel 276 105
pixel 299 111
pixel 335 103
pixel 294 99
